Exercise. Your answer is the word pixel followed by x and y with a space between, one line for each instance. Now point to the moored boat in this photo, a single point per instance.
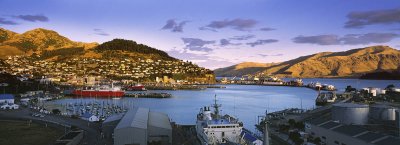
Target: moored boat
pixel 213 128
pixel 102 91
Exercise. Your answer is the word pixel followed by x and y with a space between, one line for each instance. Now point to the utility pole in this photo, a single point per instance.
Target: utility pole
pixel 266 133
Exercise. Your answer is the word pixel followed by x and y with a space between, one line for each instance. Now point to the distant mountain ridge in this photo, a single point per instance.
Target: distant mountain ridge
pixel 351 63
pixel 51 45
pixel 242 69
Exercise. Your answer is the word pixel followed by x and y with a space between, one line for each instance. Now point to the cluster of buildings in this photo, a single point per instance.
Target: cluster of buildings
pixel 253 79
pixel 72 70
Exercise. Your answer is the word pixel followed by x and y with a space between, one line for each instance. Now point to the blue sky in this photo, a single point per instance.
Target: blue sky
pixel 216 33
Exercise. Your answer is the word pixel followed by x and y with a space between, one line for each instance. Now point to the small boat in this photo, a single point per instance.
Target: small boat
pixel 324 98
pixel 137 87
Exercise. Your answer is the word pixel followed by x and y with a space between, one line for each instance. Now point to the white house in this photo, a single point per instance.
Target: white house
pixel 6 98
pixel 93 118
pixel 89 117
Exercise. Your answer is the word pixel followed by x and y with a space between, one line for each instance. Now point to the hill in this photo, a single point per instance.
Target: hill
pixel 129 48
pixel 242 69
pixel 351 63
pixel 45 52
pixel 49 44
pixel 35 41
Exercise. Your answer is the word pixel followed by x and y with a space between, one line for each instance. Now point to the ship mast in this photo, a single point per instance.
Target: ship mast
pixel 216 107
pixel 266 133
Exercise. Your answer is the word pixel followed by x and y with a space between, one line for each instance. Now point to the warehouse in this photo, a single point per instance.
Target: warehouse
pixel 139 126
pixel 160 129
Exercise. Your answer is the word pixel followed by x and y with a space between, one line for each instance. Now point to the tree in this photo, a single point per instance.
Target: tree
pixel 317 141
pixel 296 138
pixel 390 87
pixel 56 111
pixel 299 125
pixel 350 89
pixel 291 122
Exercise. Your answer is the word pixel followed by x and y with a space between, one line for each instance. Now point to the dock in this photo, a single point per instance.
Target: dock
pixel 148 95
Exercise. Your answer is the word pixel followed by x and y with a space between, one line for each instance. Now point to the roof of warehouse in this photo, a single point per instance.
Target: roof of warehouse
pixel 330 125
pixel 136 117
pixel 370 136
pixel 318 121
pixel 114 117
pixel 158 119
pixel 389 141
pixel 6 96
pixel 350 130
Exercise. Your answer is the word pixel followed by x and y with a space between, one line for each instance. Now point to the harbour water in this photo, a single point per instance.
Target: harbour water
pixel 243 101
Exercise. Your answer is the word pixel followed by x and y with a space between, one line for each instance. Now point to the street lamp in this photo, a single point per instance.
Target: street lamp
pixel 4 85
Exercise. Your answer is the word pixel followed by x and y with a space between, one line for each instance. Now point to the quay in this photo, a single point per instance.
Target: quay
pixel 148 95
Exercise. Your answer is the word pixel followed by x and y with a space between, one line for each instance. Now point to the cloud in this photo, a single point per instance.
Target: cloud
pixel 185 54
pixel 243 37
pixel 174 26
pixel 225 42
pixel 196 44
pixel 32 18
pixel 207 29
pixel 261 42
pixel 7 22
pixel 100 32
pixel 318 39
pixel 266 55
pixel 349 39
pixel 355 39
pixel 267 29
pixel 237 24
pixel 200 59
pixel 361 19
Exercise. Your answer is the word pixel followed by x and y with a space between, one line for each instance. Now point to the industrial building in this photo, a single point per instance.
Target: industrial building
pixel 333 133
pixel 350 113
pixel 353 124
pixel 140 126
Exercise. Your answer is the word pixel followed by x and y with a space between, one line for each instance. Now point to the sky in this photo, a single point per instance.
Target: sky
pixel 216 33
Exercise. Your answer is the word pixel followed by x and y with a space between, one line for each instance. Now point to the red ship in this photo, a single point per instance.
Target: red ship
pixel 136 88
pixel 99 92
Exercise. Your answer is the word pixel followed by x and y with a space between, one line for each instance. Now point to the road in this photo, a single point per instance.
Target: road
pixel 91 130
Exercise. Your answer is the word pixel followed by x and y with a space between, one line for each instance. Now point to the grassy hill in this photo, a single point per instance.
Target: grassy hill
pixel 351 63
pixel 242 69
pixel 49 44
pixel 35 41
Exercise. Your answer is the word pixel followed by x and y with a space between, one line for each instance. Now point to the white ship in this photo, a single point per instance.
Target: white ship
pixel 213 128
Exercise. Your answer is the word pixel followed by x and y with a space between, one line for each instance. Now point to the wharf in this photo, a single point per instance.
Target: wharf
pixel 148 95
pixel 175 87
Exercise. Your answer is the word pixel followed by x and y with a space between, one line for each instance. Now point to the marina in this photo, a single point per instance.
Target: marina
pixel 236 99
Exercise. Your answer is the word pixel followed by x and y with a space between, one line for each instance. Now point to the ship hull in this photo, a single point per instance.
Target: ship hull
pixel 95 93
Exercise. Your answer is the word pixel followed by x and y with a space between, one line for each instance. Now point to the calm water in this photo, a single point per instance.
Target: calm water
pixel 243 101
